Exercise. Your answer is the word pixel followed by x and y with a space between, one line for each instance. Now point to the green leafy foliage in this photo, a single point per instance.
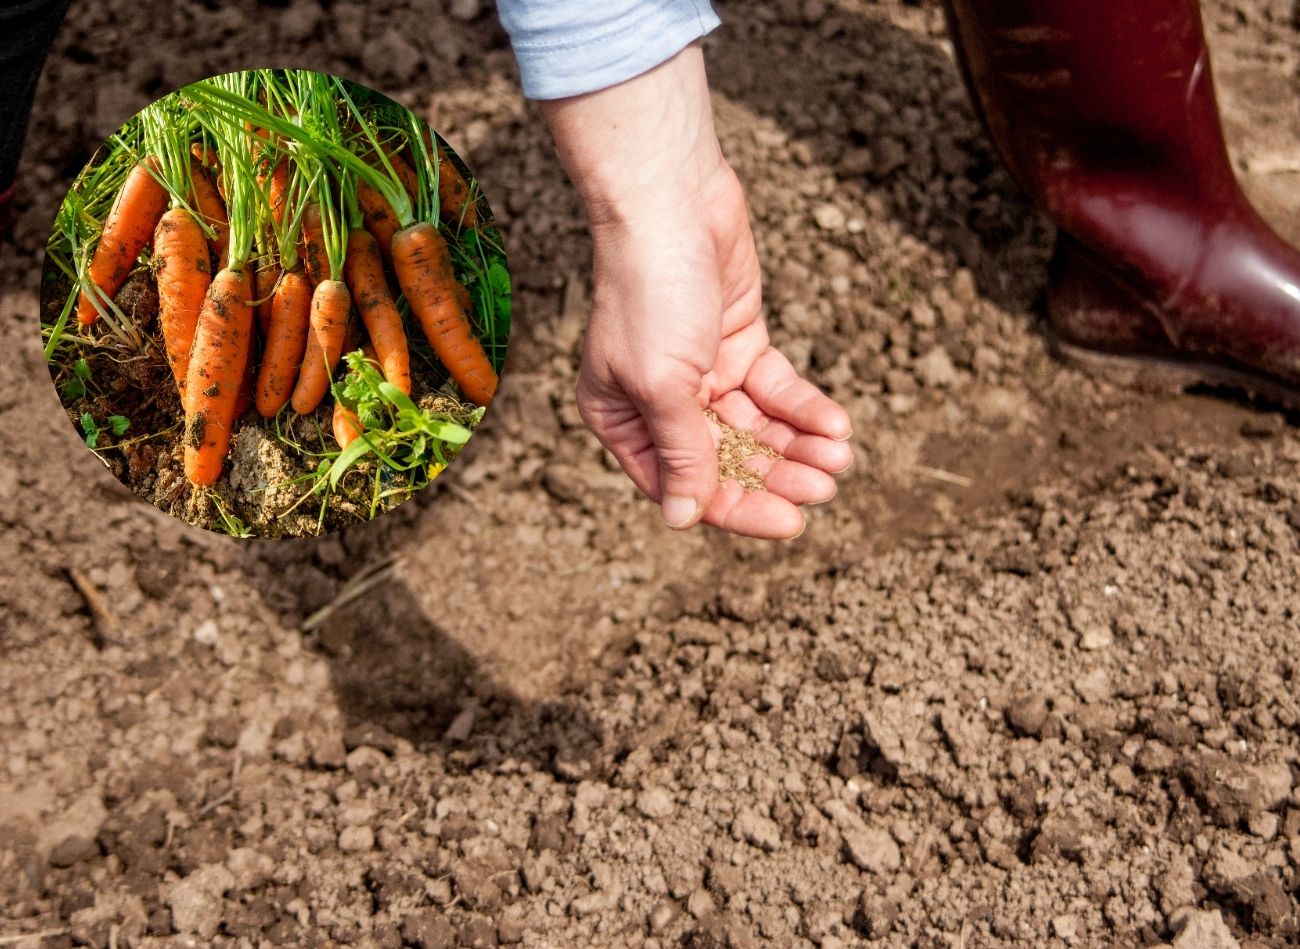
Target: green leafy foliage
pixel 407 445
pixel 116 425
pixel 74 387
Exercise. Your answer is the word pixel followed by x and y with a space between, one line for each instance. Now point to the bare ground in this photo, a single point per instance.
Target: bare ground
pixel 1031 679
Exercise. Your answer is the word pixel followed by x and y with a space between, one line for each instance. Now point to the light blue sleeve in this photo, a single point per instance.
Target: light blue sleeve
pixel 568 47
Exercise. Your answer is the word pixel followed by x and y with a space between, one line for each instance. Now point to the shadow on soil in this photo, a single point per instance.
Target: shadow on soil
pixel 395 669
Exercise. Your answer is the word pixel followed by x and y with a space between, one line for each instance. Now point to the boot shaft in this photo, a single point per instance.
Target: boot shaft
pixel 1108 100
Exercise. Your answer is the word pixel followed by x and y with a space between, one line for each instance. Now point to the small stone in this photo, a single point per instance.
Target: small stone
pixel 664 913
pixel 462 725
pixel 654 803
pixel 872 850
pixel 428 929
pixel 328 751
pixel 466 10
pixel 73 850
pixel 1026 713
pixel 1065 926
pixel 1204 929
pixel 356 839
pixel 754 829
pixel 829 217
pixel 1096 637
pixel 935 369
pixel 700 904
pixel 1264 825
pixel 250 868
pixel 196 901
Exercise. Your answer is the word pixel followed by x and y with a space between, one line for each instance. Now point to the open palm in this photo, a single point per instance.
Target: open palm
pixel 676 328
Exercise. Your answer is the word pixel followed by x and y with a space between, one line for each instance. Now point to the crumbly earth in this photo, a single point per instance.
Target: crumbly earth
pixel 1031 679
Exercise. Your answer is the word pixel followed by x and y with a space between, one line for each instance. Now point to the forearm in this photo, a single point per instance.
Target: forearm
pixel 642 146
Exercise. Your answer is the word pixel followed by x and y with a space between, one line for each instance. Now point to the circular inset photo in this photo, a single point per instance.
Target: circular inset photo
pixel 275 304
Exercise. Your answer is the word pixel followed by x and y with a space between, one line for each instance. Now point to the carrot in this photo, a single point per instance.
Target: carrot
pixel 207 157
pixel 211 209
pixel 265 277
pixel 183 274
pixel 364 272
pixel 378 218
pixel 130 224
pixel 405 173
pixel 248 383
pixel 277 190
pixel 313 243
pixel 330 303
pixel 216 373
pixel 463 298
pixel 425 275
pixel 286 341
pixel 455 200
pixel 346 425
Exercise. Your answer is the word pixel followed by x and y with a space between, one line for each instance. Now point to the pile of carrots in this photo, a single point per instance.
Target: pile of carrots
pixel 276 208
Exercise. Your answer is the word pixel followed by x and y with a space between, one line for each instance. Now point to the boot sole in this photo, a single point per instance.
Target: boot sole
pixel 1157 376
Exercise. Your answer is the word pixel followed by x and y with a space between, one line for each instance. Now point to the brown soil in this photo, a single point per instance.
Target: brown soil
pixel 1031 679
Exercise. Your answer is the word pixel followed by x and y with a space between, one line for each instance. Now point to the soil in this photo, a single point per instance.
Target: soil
pixel 1031 679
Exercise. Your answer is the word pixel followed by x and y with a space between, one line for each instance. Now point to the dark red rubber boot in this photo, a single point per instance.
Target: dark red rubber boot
pixel 1105 114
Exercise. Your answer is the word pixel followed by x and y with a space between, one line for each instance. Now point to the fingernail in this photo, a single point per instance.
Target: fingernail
pixel 843 438
pixel 679 512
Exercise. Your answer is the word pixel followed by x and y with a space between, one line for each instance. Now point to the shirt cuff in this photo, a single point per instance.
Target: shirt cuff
pixel 570 47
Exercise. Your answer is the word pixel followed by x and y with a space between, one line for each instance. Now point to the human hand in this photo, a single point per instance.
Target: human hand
pixel 676 324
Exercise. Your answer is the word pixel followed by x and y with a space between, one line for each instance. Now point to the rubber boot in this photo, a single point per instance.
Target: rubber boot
pixel 1104 112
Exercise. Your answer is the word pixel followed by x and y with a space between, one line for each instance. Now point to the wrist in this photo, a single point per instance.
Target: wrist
pixel 637 150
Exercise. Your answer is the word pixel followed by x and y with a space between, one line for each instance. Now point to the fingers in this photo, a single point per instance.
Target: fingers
pixel 739 411
pixel 780 392
pixel 687 452
pixel 761 514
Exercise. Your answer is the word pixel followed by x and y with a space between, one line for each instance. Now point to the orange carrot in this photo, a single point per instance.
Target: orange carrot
pixel 405 173
pixel 286 341
pixel 248 383
pixel 364 272
pixel 346 425
pixel 330 303
pixel 378 218
pixel 211 209
pixel 463 298
pixel 266 275
pixel 313 244
pixel 130 224
pixel 183 274
pixel 426 277
pixel 455 200
pixel 216 373
pixel 207 157
pixel 277 190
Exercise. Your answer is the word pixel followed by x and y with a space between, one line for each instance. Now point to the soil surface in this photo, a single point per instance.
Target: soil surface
pixel 1033 678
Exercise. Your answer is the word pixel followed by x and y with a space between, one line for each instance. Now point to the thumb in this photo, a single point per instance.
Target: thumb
pixel 688 458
